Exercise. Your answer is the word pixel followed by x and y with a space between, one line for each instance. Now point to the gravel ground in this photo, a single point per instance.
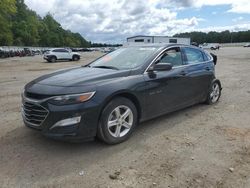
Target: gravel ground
pixel 200 146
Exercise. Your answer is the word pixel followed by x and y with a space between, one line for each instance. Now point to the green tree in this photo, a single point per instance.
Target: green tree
pixel 21 26
pixel 26 25
pixel 7 9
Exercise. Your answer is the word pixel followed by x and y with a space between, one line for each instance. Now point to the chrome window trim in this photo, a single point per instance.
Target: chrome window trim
pixel 180 66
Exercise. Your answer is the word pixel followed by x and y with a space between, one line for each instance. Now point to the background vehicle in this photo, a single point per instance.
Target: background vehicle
pixel 28 52
pixel 107 49
pixel 61 54
pixel 247 45
pixel 195 44
pixel 7 52
pixel 211 46
pixel 110 96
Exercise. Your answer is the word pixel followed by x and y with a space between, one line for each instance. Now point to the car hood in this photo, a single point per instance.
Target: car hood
pixel 79 76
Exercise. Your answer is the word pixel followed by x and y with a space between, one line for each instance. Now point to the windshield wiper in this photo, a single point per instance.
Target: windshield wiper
pixel 105 67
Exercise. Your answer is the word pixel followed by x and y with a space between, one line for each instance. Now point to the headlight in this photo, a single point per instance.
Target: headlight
pixel 71 99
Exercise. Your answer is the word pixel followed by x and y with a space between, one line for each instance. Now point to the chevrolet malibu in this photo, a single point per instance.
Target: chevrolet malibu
pixel 110 96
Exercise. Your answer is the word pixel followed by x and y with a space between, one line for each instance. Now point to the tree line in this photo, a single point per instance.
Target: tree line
pixel 20 26
pixel 217 37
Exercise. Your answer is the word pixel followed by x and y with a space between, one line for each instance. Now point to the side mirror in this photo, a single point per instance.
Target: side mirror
pixel 161 67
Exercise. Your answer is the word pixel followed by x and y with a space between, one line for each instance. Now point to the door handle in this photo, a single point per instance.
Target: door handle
pixel 183 73
pixel 207 68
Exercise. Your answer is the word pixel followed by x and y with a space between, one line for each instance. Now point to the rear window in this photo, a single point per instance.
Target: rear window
pixel 193 56
pixel 207 57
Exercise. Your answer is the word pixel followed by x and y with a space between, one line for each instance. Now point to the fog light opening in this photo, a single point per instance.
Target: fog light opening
pixel 67 122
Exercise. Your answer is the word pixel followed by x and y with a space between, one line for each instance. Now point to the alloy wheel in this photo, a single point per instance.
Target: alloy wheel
pixel 120 121
pixel 215 92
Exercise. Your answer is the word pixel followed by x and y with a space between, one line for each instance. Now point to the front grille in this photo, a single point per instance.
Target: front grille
pixel 34 114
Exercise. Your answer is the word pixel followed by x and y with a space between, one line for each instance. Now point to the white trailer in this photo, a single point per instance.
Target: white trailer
pixel 158 39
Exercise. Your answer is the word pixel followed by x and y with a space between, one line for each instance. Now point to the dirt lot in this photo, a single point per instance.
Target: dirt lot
pixel 201 146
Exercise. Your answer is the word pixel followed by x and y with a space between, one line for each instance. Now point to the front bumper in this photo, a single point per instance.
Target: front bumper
pixel 44 122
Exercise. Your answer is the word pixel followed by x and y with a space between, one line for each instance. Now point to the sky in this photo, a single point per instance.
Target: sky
pixel 112 21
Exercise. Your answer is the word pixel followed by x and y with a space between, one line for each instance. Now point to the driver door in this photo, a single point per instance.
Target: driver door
pixel 166 90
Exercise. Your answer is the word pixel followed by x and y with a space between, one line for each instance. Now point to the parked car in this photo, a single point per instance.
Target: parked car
pixel 108 49
pixel 195 44
pixel 211 46
pixel 28 52
pixel 61 54
pixel 2 54
pixel 247 45
pixel 110 96
pixel 36 52
pixel 17 52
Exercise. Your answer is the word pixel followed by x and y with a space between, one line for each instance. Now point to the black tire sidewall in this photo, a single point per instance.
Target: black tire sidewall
pixel 103 129
pixel 53 59
pixel 75 58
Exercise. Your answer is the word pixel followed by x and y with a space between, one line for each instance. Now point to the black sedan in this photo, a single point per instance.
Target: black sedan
pixel 110 96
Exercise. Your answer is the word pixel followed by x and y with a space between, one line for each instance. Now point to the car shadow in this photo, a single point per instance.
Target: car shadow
pixel 31 153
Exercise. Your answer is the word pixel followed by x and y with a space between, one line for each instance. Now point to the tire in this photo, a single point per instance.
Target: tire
pixel 118 120
pixel 214 93
pixel 53 59
pixel 75 58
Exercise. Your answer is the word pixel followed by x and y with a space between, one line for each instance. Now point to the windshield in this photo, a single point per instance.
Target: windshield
pixel 125 58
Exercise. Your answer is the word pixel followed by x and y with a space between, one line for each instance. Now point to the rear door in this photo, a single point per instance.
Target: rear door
pixel 200 72
pixel 65 54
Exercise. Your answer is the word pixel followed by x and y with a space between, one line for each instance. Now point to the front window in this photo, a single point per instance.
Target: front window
pixel 125 58
pixel 64 51
pixel 172 56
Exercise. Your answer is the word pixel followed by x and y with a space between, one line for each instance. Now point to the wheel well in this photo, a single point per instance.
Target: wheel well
pixel 218 81
pixel 75 55
pixel 129 96
pixel 52 56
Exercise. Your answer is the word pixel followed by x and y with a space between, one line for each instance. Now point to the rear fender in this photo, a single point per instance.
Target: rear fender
pixel 214 58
